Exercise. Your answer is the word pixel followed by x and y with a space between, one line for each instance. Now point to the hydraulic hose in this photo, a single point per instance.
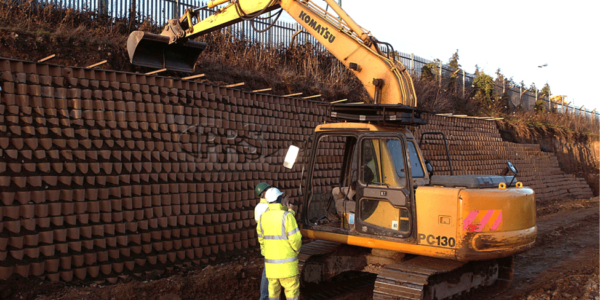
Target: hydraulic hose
pixel 251 17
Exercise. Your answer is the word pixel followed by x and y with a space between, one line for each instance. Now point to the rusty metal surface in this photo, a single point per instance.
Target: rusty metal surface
pixel 315 248
pixel 408 279
pixel 157 51
pixel 432 278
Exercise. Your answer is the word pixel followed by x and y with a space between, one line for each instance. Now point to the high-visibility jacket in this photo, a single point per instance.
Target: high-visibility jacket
pixel 371 165
pixel 280 241
pixel 260 208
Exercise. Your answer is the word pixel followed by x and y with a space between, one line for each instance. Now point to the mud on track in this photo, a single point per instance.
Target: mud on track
pixel 563 265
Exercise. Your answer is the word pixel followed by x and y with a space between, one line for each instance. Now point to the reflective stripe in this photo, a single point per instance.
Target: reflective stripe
pixel 274 298
pixel 283 224
pixel 281 261
pixel 260 235
pixel 283 231
pixel 293 231
pixel 274 237
pixel 294 298
pixel 260 223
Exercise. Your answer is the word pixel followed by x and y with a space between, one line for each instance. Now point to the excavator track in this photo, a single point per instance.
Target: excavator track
pixel 433 278
pixel 407 280
pixel 347 288
pixel 319 247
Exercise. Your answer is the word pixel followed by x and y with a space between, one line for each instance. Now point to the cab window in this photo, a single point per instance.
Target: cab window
pixel 415 162
pixel 369 162
pixel 397 156
pixel 382 162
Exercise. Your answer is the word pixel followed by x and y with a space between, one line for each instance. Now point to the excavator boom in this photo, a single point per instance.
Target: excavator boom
pixel 386 80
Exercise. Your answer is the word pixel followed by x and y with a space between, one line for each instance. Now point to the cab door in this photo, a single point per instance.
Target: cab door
pixel 384 190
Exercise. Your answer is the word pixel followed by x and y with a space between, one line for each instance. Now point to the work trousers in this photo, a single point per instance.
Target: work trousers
pixel 291 286
pixel 264 286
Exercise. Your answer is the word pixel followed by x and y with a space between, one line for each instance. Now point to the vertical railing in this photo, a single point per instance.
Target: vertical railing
pixel 160 11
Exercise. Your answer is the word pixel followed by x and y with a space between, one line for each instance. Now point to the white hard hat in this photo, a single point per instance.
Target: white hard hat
pixel 272 194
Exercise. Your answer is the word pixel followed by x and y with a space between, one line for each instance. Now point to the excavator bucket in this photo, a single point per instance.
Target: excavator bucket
pixel 154 51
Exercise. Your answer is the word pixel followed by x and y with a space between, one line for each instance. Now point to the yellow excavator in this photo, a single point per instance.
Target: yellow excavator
pixel 425 236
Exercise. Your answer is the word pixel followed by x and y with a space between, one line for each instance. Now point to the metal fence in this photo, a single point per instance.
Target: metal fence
pixel 160 11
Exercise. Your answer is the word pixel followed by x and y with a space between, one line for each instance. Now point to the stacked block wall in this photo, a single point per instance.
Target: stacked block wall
pixel 108 174
pixel 476 147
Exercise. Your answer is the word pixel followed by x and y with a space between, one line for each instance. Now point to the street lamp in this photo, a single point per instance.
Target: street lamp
pixel 549 101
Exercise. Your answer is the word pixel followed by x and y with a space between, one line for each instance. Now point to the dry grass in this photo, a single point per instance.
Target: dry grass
pixel 441 99
pixel 228 60
pixel 301 68
pixel 530 125
pixel 50 18
pixel 81 38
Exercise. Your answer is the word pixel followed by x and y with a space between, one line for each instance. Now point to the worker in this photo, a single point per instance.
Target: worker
pixel 280 241
pixel 369 164
pixel 259 209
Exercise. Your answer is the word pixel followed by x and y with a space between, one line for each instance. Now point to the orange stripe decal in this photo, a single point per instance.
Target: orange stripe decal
pixel 497 222
pixel 482 220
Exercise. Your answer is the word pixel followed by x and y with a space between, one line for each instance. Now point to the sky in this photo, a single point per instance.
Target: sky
pixel 515 36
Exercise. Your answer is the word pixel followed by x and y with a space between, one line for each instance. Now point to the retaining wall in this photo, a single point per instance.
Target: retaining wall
pixel 476 147
pixel 108 174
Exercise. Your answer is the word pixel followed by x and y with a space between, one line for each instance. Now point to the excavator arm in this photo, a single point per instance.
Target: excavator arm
pixel 386 80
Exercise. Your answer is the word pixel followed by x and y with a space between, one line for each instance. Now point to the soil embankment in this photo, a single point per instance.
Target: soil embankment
pixel 577 153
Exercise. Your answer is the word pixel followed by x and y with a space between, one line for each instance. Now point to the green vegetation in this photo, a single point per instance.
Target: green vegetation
pixel 431 71
pixel 484 89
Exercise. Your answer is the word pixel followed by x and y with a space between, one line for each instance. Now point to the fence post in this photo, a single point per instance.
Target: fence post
pixel 132 16
pixel 412 62
pixel 440 74
pixel 464 82
pixel 243 35
pixel 176 9
pixel 103 7
pixel 270 32
pixel 521 95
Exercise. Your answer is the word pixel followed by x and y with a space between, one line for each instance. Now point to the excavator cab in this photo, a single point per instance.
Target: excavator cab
pixel 372 188
pixel 360 175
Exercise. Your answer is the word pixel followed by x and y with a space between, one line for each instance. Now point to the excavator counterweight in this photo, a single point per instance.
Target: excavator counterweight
pixel 156 51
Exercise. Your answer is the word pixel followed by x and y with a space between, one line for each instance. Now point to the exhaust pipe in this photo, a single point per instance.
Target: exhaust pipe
pixel 155 51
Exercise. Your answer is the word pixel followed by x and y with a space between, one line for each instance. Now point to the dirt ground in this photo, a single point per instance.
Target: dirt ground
pixel 234 278
pixel 563 265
